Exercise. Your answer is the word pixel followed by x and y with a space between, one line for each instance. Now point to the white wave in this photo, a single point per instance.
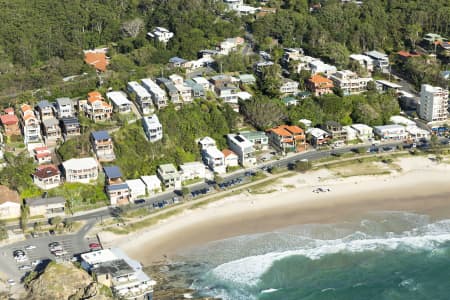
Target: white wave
pixel 268 291
pixel 248 270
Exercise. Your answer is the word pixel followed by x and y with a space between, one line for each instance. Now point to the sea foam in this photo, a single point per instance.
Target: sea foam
pixel 248 270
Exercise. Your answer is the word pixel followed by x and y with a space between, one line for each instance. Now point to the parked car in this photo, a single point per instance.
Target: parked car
pixel 95 246
pixel 25 268
pixel 11 282
pixel 30 247
pixel 139 201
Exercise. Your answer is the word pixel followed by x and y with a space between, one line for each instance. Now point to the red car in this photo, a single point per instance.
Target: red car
pixel 95 246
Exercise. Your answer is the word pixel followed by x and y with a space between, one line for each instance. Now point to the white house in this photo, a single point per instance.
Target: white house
pixel 231 159
pixel 214 159
pixel 83 170
pixel 143 97
pixel 349 82
pixel 207 142
pixel 364 61
pixel 64 108
pixel 391 132
pixel 152 128
pixel 152 183
pixel 380 60
pixel 192 170
pixel 160 34
pixel 137 188
pixel 363 132
pixel 169 176
pixel 203 82
pixel 289 86
pixel 120 102
pixel 317 66
pixel 159 96
pixel 243 148
pixel 351 133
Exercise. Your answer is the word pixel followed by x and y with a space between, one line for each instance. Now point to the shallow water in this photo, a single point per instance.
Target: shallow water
pixel 384 255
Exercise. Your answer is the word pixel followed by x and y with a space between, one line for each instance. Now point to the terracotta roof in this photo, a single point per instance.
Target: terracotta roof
pixel 227 152
pixel 320 80
pixel 25 107
pixel 38 149
pixel 27 117
pixel 286 131
pixel 7 194
pixel 407 54
pixel 98 60
pixel 9 119
pixel 43 154
pixel 46 171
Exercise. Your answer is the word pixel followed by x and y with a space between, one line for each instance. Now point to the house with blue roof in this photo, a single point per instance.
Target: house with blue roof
pixel 177 62
pixel 116 188
pixel 102 145
pixel 46 110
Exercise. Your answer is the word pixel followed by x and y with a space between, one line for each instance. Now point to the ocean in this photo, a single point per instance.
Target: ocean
pixel 383 255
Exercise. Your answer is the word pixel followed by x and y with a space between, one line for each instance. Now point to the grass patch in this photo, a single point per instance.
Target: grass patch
pixel 136 213
pixel 289 186
pixel 262 191
pixel 359 168
pixel 192 181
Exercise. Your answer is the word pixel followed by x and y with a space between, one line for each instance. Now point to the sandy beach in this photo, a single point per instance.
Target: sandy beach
pixel 422 187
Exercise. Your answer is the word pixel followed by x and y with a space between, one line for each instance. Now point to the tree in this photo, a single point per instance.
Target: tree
pixel 185 192
pixel 68 224
pixel 263 112
pixel 133 27
pixel 270 80
pixel 413 32
pixel 55 221
pixel 303 165
pixel 3 232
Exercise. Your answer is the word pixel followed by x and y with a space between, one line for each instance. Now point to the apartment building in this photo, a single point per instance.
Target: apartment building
pixel 433 103
pixel 349 82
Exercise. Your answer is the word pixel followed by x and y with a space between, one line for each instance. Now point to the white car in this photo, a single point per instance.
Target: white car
pixel 11 282
pixel 36 262
pixel 25 268
pixel 30 247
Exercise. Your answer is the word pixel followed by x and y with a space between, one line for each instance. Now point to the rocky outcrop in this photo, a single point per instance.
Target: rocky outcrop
pixel 64 281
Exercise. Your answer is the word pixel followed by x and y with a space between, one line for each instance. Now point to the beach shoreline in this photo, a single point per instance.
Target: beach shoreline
pixel 421 187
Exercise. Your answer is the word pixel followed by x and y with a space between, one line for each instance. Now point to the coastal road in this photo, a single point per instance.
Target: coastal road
pixel 167 197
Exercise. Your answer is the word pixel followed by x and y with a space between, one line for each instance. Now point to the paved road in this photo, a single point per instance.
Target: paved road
pixel 167 197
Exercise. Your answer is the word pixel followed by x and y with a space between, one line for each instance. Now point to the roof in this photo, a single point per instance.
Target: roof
pixel 319 79
pixel 376 54
pixel 9 110
pixel 407 54
pixel 401 120
pixel 286 130
pixel 239 140
pixel 8 195
pixel 64 101
pixel 80 163
pixel 214 152
pixel 247 78
pixel 44 104
pixel 70 121
pixel 50 122
pixel 317 132
pixel 167 168
pixel 118 98
pixel 96 59
pixel 94 96
pixel 177 60
pixel 387 127
pixel 46 171
pixel 9 119
pixel 112 172
pixel 100 135
pixel 200 80
pixel 116 268
pixel 116 187
pixel 253 134
pixel 228 152
pixel 45 201
pixel 388 84
pixel 135 184
pixel 151 180
pixel 25 107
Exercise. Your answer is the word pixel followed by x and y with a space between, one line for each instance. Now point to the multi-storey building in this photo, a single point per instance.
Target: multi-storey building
pixel 159 96
pixel 102 145
pixel 30 125
pixel 433 103
pixel 116 188
pixel 143 97
pixel 243 148
pixel 287 138
pixel 95 108
pixel 83 170
pixel 349 82
pixel 152 128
